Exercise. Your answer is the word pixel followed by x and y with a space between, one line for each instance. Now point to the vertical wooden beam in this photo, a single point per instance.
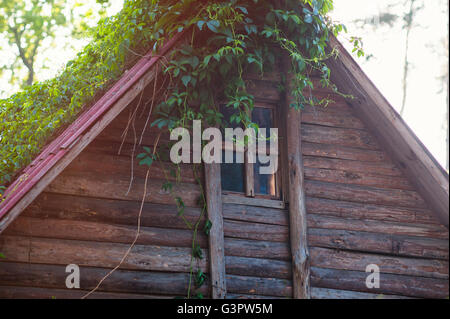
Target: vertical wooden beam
pixel 248 170
pixel 249 179
pixel 213 194
pixel 297 207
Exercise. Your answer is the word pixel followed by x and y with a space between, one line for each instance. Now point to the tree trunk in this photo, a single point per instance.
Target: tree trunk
pixel 409 22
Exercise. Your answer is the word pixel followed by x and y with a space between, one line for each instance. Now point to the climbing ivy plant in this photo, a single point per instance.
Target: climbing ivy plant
pixel 227 39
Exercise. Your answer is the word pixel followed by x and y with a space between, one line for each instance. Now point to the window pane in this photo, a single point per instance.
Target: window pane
pixel 264 184
pixel 232 175
pixel 262 117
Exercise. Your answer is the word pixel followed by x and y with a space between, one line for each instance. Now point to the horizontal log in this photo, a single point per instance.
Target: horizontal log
pixel 82 230
pixel 258 267
pixel 321 116
pixel 257 249
pixel 390 228
pixel 100 232
pixel 346 260
pixel 260 202
pixel 345 209
pixel 364 194
pixel 324 293
pixel 151 137
pixel 141 257
pixel 14 292
pixel 281 233
pixel 337 103
pixel 120 281
pixel 338 136
pixel 272 76
pixel 389 284
pixel 379 243
pixel 254 214
pixel 357 178
pixel 378 168
pixel 343 152
pixel 115 187
pixel 92 231
pixel 54 206
pixel 121 165
pixel 97 254
pixel 259 286
pixel 255 231
pixel 110 148
pixel 336 209
pixel 264 90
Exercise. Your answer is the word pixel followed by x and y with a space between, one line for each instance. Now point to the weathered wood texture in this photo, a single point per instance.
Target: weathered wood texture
pixel 363 210
pixel 213 192
pixel 297 199
pixel 88 216
pixel 391 130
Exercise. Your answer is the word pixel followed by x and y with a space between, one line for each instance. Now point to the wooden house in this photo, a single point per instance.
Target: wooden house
pixel 355 188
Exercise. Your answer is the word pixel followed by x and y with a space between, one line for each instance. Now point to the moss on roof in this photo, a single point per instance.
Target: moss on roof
pixel 30 117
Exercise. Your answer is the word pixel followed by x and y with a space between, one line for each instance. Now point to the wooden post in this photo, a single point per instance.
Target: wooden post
pixel 297 207
pixel 213 194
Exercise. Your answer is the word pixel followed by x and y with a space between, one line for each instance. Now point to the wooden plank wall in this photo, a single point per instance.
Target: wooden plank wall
pixel 86 217
pixel 362 210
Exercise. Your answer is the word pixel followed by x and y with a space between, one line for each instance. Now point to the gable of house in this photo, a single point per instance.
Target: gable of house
pixel 362 209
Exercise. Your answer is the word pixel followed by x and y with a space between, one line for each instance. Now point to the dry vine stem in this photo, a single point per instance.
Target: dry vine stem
pixel 131 120
pixel 132 244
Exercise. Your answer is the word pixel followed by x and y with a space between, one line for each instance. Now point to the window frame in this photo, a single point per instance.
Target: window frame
pixel 249 177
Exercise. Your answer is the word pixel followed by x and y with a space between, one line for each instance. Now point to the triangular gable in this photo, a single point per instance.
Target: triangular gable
pixel 411 156
pixel 68 145
pixel 398 139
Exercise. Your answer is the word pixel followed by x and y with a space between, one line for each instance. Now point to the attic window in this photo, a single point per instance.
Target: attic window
pixel 244 179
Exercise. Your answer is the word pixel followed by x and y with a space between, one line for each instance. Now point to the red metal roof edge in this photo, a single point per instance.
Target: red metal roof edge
pixel 56 150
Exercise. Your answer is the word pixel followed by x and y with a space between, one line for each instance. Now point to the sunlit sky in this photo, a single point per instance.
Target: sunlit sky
pixel 425 106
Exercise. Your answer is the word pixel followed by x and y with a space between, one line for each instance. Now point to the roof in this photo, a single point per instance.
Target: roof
pixel 381 118
pixel 64 148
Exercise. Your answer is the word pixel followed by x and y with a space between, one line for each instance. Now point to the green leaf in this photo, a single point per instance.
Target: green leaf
pixel 147 149
pixel 146 161
pixel 167 186
pixel 200 24
pixel 213 25
pixel 2 256
pixel 308 18
pixel 180 206
pixel 243 9
pixel 207 227
pixel 197 252
pixel 186 79
pixel 200 278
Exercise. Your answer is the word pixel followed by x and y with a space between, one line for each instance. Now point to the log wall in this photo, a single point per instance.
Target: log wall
pixel 361 210
pixel 88 216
